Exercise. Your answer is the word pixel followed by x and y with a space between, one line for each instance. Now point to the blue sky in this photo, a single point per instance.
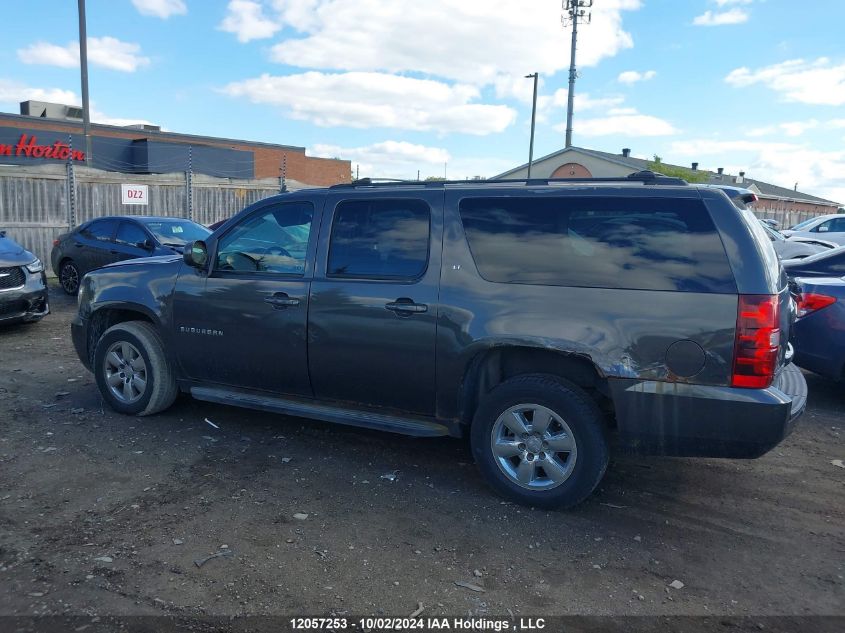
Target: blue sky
pixel 398 86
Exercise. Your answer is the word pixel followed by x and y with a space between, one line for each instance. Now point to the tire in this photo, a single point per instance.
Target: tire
pixel 576 428
pixel 69 277
pixel 151 384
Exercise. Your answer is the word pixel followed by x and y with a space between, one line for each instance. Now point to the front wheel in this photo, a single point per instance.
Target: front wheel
pixel 132 370
pixel 539 440
pixel 69 277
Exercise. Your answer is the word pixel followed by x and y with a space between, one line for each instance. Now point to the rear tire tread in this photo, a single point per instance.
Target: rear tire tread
pixel 581 410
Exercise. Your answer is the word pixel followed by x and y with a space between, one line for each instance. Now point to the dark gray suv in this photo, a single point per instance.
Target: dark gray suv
pixel 539 318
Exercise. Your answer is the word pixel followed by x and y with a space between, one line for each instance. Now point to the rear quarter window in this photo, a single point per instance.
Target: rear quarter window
pixel 647 243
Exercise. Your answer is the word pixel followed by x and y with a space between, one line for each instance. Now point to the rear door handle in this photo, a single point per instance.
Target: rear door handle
pixel 281 300
pixel 406 306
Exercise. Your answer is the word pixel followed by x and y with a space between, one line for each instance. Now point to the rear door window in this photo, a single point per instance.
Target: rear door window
pixel 648 243
pixel 101 230
pixel 379 239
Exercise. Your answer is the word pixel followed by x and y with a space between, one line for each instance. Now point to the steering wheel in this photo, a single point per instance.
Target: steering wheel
pixel 276 250
pixel 233 261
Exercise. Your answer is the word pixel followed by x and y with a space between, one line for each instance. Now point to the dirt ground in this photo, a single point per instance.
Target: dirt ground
pixel 106 514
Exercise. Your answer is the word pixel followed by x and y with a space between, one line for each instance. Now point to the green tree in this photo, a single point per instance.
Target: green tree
pixel 658 167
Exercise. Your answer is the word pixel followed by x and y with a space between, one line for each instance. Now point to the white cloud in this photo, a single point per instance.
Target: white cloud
pixel 732 16
pixel 725 3
pixel 50 54
pixel 161 8
pixel 633 76
pixel 246 19
pixel 622 122
pixel 480 40
pixel 817 172
pixel 818 82
pixel 364 100
pixel 15 92
pixel 585 102
pixel 400 159
pixel 108 52
pixel 788 128
pixel 389 159
pixel 101 117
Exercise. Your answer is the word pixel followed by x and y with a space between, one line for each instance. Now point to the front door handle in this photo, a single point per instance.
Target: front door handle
pixel 406 306
pixel 281 300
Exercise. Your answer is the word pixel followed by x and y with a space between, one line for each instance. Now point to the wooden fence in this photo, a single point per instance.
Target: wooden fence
pixel 35 202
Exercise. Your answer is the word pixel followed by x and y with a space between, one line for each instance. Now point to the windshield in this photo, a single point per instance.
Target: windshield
pixel 773 235
pixel 176 232
pixel 802 225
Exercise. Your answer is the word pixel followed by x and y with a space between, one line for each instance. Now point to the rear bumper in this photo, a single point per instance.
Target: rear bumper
pixel 660 418
pixel 28 303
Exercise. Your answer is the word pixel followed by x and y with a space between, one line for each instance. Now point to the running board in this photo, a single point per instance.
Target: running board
pixel 365 419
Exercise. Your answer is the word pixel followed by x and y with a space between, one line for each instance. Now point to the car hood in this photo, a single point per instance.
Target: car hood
pixel 159 259
pixel 812 240
pixel 13 254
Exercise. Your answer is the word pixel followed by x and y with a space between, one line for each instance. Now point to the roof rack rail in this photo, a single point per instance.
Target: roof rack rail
pixel 646 177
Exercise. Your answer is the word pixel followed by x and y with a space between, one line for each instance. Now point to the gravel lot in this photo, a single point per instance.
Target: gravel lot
pixel 106 514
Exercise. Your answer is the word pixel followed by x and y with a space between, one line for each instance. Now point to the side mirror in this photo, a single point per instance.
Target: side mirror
pixel 147 245
pixel 196 254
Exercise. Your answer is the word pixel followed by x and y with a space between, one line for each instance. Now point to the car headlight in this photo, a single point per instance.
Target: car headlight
pixel 35 266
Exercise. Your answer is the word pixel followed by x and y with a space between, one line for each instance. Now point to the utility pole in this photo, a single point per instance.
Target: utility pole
pixel 574 10
pixel 283 174
pixel 189 184
pixel 83 65
pixel 533 120
pixel 70 190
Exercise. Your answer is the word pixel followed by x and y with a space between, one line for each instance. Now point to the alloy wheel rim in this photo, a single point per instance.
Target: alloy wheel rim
pixel 70 278
pixel 125 372
pixel 533 447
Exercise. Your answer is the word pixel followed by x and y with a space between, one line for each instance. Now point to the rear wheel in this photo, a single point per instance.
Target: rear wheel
pixel 69 277
pixel 539 440
pixel 132 370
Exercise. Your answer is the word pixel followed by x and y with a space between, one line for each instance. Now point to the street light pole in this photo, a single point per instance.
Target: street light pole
pixel 83 64
pixel 533 121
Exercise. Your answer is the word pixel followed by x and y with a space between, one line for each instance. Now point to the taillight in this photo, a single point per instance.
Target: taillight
pixel 810 302
pixel 757 341
pixel 55 242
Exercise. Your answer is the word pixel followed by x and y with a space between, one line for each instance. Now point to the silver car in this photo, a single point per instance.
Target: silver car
pixel 828 227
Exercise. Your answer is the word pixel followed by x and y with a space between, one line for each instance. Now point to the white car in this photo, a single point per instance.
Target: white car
pixel 828 227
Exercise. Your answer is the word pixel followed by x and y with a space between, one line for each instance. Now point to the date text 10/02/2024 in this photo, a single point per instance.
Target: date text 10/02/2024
pixel 418 624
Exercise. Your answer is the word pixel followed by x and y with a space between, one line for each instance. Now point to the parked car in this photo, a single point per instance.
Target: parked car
pixel 819 333
pixel 534 318
pixel 110 239
pixel 829 227
pixel 23 285
pixel 830 263
pixel 795 247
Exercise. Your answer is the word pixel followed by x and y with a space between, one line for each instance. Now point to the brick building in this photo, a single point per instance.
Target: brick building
pixel 49 133
pixel 788 206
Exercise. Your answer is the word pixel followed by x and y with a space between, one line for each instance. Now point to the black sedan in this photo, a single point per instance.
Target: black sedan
pixel 23 286
pixel 110 239
pixel 827 264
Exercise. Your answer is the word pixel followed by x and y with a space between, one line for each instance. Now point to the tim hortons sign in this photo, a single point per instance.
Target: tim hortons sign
pixel 27 146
